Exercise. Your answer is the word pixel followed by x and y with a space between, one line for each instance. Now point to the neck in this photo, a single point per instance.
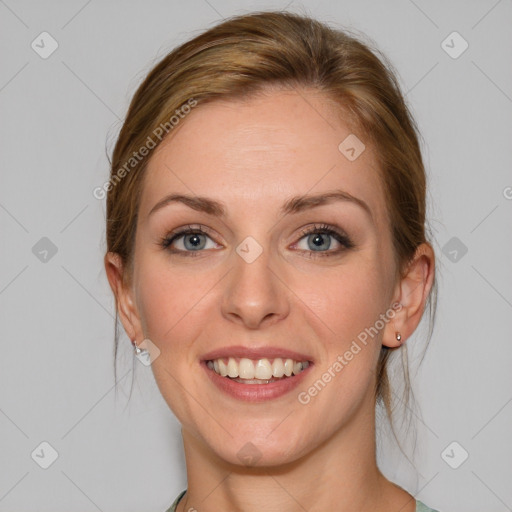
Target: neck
pixel 341 474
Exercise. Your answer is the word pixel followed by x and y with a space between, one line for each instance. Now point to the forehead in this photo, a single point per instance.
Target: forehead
pixel 256 152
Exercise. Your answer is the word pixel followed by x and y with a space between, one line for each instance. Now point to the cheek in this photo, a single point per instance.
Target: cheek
pixel 344 307
pixel 172 304
pixel 173 307
pixel 345 301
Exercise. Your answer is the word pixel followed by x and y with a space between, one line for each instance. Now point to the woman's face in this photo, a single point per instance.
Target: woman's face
pixel 294 261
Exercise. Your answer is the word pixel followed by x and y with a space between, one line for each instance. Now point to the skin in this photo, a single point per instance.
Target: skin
pixel 253 155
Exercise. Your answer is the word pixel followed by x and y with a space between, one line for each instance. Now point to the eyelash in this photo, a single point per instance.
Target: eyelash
pixel 325 229
pixel 322 229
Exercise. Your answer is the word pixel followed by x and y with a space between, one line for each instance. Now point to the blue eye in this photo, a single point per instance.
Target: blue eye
pixel 189 240
pixel 319 239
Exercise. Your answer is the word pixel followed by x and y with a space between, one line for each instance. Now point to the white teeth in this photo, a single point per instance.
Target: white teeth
pixel 257 370
pixel 263 369
pixel 288 367
pixel 232 368
pixel 253 381
pixel 246 369
pixel 223 369
pixel 278 368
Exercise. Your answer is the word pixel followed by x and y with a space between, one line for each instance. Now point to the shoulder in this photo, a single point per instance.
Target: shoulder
pixel 421 507
pixel 172 508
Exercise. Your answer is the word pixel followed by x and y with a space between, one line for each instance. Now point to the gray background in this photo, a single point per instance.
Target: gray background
pixel 58 116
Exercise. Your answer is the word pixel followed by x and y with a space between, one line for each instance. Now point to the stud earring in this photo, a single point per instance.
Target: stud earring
pixel 399 338
pixel 138 350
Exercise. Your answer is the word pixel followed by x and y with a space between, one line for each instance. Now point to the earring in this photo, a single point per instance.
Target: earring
pixel 399 338
pixel 138 351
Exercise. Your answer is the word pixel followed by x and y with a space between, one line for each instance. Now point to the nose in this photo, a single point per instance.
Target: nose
pixel 255 295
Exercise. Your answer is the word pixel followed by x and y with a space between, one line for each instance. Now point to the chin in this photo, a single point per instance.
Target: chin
pixel 262 450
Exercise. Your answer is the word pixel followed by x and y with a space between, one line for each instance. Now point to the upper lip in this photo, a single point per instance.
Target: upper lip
pixel 255 353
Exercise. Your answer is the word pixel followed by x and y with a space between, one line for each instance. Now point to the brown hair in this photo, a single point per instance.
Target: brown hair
pixel 240 57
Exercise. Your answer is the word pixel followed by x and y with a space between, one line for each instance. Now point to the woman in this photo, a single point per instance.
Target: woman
pixel 267 248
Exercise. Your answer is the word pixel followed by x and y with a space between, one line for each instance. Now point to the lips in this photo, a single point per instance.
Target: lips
pixel 256 374
pixel 255 353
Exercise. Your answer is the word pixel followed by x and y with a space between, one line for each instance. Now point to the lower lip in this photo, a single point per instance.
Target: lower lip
pixel 255 392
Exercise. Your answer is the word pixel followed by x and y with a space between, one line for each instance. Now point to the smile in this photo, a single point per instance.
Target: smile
pixel 256 371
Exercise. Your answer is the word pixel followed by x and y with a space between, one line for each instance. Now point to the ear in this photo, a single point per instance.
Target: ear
pixel 123 294
pixel 410 296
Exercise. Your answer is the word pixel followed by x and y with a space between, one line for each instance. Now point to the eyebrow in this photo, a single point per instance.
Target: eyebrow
pixel 296 204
